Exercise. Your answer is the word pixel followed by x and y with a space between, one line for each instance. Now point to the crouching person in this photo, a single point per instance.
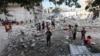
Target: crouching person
pixel 89 41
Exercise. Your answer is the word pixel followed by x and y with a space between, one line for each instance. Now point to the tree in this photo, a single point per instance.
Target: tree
pixel 3 5
pixel 93 6
pixel 69 3
pixel 27 4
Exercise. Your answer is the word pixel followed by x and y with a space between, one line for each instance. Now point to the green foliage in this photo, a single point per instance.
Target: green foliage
pixel 94 4
pixel 55 10
pixel 60 2
pixel 95 12
pixel 78 5
pixel 69 3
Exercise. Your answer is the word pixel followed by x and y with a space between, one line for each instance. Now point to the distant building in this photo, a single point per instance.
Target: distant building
pixel 38 11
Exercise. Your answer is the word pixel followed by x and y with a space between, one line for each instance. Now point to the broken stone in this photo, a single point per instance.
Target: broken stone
pixel 33 40
pixel 37 38
pixel 21 40
pixel 33 44
pixel 9 54
pixel 22 53
pixel 66 42
pixel 43 40
pixel 61 49
pixel 42 50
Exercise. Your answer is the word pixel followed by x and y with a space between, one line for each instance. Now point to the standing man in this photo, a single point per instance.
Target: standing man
pixel 39 27
pixel 53 24
pixel 83 32
pixel 43 26
pixel 48 36
pixel 75 32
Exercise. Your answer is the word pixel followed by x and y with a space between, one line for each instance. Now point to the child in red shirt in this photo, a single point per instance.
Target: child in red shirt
pixel 88 40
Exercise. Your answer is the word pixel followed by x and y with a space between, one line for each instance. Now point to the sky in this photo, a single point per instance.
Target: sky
pixel 47 4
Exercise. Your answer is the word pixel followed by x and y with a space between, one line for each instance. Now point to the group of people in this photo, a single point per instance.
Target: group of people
pixel 72 35
pixel 73 32
pixel 7 23
pixel 3 21
pixel 44 25
pixel 11 21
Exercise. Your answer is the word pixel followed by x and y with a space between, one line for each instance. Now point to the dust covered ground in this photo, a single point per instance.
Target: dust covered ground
pixel 35 45
pixel 59 46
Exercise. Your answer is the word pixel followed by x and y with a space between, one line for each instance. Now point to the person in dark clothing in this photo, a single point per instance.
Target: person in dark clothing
pixel 75 32
pixel 83 32
pixel 6 20
pixel 43 25
pixel 0 19
pixel 30 21
pixel 53 24
pixel 48 36
pixel 39 27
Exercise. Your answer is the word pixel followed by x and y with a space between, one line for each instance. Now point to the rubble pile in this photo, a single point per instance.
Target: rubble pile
pixel 30 43
pixel 20 43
